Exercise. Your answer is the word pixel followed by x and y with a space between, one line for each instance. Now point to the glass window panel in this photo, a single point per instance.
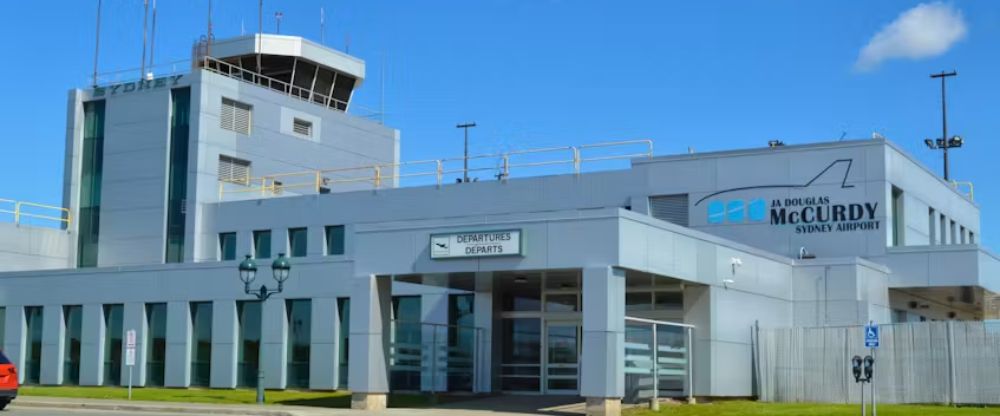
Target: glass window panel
pixel 91 173
pixel 560 303
pixel 177 174
pixel 201 343
pixel 297 242
pixel 334 240
pixel 227 246
pixel 521 292
pixel 33 346
pixel 562 345
pixel 669 301
pixel 461 341
pixel 562 280
pixel 156 343
pixel 113 333
pixel 344 307
pixel 262 244
pixel 248 351
pixel 3 325
pixel 520 383
pixel 299 313
pixel 638 301
pixel 562 384
pixel 522 341
pixel 406 343
pixel 73 319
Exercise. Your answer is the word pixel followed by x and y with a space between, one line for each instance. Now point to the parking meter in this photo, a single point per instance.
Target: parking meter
pixel 869 367
pixel 856 368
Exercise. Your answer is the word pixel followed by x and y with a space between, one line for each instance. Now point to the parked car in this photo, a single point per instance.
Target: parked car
pixel 8 381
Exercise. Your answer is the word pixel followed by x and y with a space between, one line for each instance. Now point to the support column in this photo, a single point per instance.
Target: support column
pixel 483 315
pixel 15 339
pixel 178 365
pixel 225 327
pixel 135 319
pixel 323 345
pixel 371 300
pixel 698 312
pixel 602 378
pixel 53 343
pixel 92 346
pixel 275 337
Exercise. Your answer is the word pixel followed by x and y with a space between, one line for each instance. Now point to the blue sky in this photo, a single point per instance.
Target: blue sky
pixel 707 75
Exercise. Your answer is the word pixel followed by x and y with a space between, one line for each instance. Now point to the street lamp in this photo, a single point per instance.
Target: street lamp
pixel 281 269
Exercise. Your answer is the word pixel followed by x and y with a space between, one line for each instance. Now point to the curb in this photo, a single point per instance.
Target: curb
pixel 148 407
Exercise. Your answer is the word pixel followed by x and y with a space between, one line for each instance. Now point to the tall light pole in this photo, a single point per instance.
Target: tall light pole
pixel 465 168
pixel 280 269
pixel 944 142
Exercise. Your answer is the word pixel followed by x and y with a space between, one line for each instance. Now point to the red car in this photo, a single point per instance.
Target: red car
pixel 8 381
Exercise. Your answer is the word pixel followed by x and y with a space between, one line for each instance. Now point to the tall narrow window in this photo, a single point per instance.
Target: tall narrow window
pixel 33 347
pixel 407 353
pixel 201 343
pixel 898 224
pixel 299 313
pixel 236 116
pixel 297 242
pixel 73 319
pixel 227 246
pixel 932 231
pixel 3 325
pixel 91 172
pixel 248 350
pixel 461 342
pixel 943 230
pixel 962 235
pixel 180 114
pixel 953 233
pixel 972 239
pixel 344 336
pixel 113 330
pixel 156 343
pixel 262 244
pixel 334 240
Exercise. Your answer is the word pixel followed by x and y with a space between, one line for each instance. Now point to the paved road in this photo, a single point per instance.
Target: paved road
pixel 13 410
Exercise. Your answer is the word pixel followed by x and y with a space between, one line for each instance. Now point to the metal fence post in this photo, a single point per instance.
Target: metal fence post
pixel 951 363
pixel 690 366
pixel 654 403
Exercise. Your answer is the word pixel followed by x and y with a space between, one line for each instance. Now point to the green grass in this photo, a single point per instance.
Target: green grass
pixel 334 399
pixel 746 408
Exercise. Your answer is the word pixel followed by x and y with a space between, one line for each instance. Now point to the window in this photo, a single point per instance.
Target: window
pixel 334 240
pixel 234 170
pixel 227 246
pixel 461 340
pixel 113 331
pixel 33 347
pixel 671 208
pixel 297 242
pixel 201 343
pixel 953 234
pixel 91 172
pixel 302 127
pixel 248 350
pixel 262 244
pixel 3 325
pixel 408 351
pixel 932 231
pixel 299 313
pixel 943 230
pixel 73 319
pixel 177 177
pixel 235 116
pixel 344 336
pixel 156 343
pixel 961 232
pixel 972 239
pixel 897 217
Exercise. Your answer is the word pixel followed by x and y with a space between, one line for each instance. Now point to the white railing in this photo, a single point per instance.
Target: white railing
pixel 965 188
pixel 104 79
pixel 658 360
pixel 433 171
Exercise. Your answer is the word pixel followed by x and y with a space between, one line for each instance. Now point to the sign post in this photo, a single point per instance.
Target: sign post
pixel 872 341
pixel 130 357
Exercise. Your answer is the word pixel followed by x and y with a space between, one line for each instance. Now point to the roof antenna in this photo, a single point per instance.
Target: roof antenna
pixel 97 41
pixel 381 100
pixel 347 43
pixel 842 136
pixel 145 33
pixel 322 26
pixel 152 42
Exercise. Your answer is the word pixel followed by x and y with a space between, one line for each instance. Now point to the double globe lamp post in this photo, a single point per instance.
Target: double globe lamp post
pixel 281 268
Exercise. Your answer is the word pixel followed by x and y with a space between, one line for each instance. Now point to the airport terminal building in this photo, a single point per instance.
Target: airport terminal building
pixel 555 271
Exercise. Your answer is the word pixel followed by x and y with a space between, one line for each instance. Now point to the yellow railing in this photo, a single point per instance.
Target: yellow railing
pixel 435 170
pixel 25 212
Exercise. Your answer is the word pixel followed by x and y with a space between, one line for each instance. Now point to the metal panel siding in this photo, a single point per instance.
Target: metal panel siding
pixel 671 208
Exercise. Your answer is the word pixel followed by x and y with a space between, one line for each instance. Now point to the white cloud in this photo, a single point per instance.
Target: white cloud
pixel 927 30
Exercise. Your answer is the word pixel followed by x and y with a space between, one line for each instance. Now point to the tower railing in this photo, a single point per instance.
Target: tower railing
pixel 30 213
pixel 499 166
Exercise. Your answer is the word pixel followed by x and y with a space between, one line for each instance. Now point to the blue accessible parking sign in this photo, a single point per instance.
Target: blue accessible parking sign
pixel 871 336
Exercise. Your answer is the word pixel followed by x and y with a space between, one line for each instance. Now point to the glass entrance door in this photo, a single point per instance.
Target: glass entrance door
pixel 562 357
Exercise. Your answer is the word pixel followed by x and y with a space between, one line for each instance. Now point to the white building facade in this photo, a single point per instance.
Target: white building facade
pixel 511 284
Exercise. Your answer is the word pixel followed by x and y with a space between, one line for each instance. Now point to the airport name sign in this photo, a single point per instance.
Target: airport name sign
pixel 476 244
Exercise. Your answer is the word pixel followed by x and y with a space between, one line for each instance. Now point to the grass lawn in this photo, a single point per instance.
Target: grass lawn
pixel 341 399
pixel 741 408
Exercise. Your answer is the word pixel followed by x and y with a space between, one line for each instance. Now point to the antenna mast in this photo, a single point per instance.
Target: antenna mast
pixel 97 40
pixel 322 26
pixel 152 38
pixel 145 33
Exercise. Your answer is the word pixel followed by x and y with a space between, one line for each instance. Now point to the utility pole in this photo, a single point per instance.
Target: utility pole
pixel 944 142
pixel 277 22
pixel 97 41
pixel 465 169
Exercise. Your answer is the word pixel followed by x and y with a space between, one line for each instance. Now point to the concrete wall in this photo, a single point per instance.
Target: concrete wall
pixel 34 248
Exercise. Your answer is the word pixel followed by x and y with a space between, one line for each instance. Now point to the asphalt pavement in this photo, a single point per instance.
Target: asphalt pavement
pixel 28 411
